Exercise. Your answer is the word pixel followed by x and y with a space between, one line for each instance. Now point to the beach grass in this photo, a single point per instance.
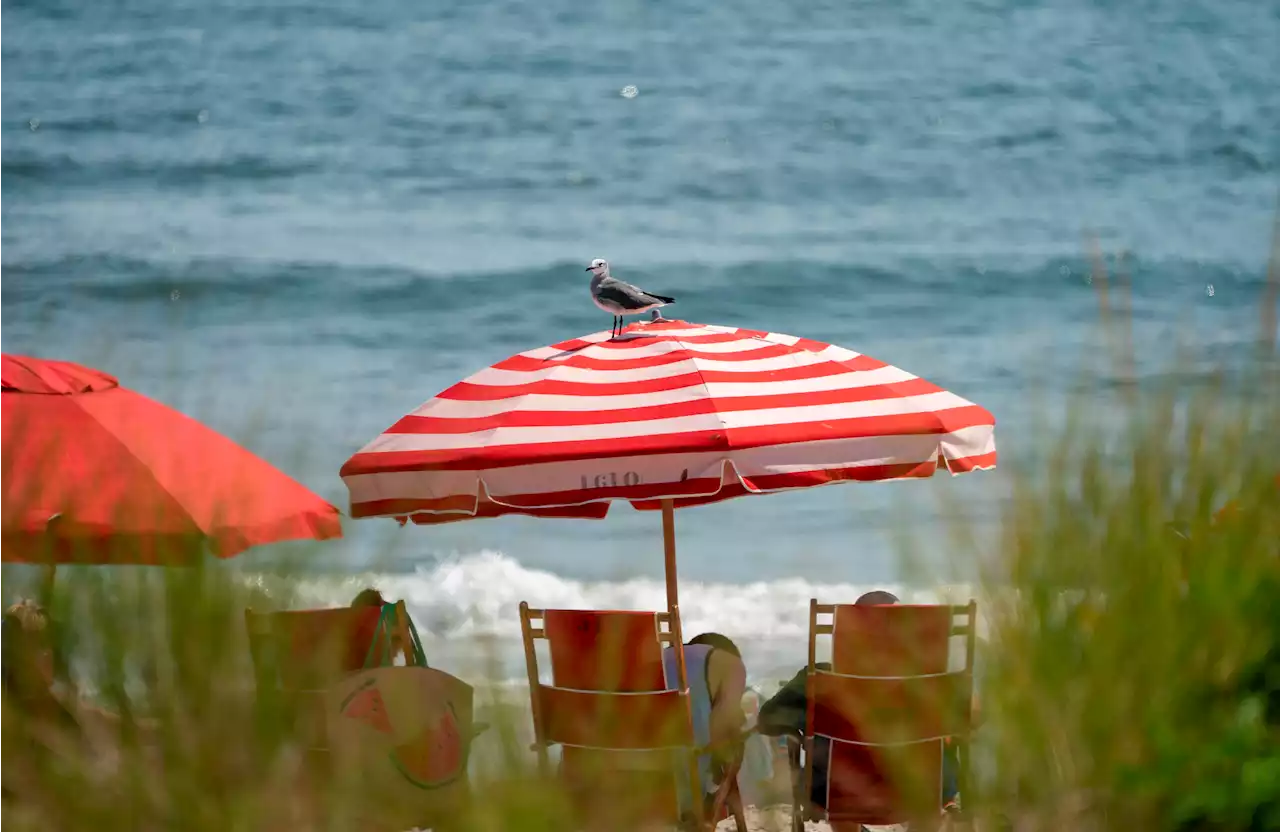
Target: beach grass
pixel 1132 678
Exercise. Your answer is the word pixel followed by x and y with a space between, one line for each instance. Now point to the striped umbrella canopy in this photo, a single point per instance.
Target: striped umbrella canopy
pixel 667 414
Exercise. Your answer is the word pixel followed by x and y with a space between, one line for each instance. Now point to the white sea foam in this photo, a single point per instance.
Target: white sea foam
pixel 469 605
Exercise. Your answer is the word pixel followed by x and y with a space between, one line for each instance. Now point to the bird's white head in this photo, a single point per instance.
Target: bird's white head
pixel 599 267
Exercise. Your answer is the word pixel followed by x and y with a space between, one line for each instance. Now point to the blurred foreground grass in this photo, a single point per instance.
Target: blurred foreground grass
pixel 1133 680
pixel 1134 674
pixel 172 738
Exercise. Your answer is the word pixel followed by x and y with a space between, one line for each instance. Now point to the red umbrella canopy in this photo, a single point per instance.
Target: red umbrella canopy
pixel 96 473
pixel 669 410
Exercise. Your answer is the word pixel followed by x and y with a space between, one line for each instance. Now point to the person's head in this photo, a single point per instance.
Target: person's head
pixel 876 598
pixel 28 651
pixel 716 641
pixel 368 597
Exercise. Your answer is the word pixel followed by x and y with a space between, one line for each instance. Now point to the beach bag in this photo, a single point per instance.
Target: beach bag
pixel 400 739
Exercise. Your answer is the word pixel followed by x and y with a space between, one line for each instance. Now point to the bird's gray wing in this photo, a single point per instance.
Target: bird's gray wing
pixel 624 294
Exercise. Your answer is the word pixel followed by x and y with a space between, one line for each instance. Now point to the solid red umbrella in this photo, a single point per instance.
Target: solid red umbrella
pixel 96 473
pixel 668 414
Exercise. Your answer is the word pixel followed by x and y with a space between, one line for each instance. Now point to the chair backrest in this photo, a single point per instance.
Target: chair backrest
pixel 298 654
pixel 622 732
pixel 606 651
pixel 887 705
pixel 307 649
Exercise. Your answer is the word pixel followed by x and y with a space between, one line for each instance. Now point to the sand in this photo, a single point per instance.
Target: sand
pixel 778 819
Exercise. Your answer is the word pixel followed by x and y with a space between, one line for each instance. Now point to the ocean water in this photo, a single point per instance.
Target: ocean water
pixel 298 221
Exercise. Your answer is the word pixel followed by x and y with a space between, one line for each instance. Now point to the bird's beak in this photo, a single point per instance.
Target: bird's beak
pixel 590 269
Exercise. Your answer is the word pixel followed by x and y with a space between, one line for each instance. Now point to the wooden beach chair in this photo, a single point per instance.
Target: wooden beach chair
pixel 886 708
pixel 625 737
pixel 298 654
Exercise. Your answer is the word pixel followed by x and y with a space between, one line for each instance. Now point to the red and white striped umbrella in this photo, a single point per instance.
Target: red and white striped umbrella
pixel 669 412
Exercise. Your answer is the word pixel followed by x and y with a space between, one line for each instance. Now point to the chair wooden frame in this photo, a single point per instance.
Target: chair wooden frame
pixel 668 634
pixel 822 623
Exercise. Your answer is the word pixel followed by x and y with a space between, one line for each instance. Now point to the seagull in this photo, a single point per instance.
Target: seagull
pixel 619 298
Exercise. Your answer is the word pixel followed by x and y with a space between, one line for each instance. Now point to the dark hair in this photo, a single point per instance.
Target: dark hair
pixel 369 597
pixel 876 598
pixel 717 642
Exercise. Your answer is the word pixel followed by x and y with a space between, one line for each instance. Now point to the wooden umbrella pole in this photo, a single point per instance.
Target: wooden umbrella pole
pixel 677 633
pixel 673 596
pixel 49 574
pixel 48 577
pixel 669 551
